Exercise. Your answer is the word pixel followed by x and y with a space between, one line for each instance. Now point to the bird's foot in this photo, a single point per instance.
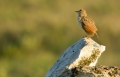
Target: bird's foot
pixel 86 37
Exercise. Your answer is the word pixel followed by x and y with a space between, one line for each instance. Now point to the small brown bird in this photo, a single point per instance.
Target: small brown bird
pixel 86 23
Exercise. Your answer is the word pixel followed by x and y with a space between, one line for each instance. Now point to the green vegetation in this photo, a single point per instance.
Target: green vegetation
pixel 34 33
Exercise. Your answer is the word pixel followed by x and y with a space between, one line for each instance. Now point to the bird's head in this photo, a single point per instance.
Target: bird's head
pixel 81 12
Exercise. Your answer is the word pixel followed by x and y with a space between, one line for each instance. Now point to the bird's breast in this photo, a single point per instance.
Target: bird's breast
pixel 79 22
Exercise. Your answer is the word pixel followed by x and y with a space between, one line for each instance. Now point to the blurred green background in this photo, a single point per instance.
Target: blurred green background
pixel 34 33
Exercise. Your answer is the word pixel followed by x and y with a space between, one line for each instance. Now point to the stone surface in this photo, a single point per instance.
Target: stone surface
pixel 85 52
pixel 97 71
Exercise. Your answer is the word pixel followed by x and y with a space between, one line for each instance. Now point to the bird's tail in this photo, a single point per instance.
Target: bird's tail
pixel 97 35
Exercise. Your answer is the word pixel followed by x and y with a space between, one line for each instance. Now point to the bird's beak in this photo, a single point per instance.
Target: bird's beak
pixel 77 11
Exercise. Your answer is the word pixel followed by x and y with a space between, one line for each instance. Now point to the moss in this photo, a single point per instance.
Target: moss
pixel 87 60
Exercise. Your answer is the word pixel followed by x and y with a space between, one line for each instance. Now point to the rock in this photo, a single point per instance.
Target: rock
pixel 97 71
pixel 85 52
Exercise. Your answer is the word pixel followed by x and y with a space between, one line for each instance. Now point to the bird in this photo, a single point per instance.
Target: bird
pixel 86 23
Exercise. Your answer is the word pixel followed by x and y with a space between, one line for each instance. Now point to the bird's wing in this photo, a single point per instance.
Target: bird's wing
pixel 86 21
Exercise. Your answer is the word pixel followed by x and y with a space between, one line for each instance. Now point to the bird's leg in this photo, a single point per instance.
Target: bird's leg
pixel 87 36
